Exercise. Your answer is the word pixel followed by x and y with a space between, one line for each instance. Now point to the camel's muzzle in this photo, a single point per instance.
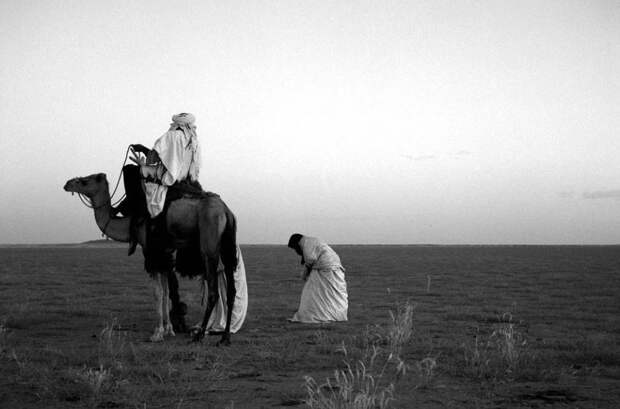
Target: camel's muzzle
pixel 70 185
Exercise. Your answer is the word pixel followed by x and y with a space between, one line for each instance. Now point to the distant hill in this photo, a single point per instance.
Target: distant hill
pixel 102 243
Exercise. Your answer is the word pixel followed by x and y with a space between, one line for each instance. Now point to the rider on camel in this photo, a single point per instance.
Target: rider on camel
pixel 175 157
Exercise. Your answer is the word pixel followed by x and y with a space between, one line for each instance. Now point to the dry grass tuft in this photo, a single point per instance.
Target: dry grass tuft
pixel 17 317
pixel 400 327
pixel 503 355
pixel 97 380
pixel 372 367
pixel 4 338
pixel 112 346
pixel 368 383
pixel 426 371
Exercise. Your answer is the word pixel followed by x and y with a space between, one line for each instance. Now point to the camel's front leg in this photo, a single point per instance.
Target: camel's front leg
pixel 166 303
pixel 158 290
pixel 203 301
pixel 178 308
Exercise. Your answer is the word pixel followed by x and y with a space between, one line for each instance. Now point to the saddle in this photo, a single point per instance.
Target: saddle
pixel 186 189
pixel 134 205
pixel 160 254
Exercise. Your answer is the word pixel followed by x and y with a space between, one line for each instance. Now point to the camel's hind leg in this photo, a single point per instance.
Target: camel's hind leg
pixel 162 307
pixel 213 295
pixel 231 293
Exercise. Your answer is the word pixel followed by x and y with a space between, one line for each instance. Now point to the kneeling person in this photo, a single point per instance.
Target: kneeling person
pixel 324 296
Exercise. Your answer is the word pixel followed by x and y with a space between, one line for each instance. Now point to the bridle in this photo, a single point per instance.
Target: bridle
pixel 88 202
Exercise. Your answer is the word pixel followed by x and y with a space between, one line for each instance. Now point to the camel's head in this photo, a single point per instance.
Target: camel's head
pixel 87 185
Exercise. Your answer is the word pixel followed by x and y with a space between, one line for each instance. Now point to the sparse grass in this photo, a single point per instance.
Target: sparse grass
pixel 47 382
pixel 323 341
pixel 17 317
pixel 426 371
pixel 367 383
pixel 112 345
pixel 503 355
pixel 372 367
pixel 279 355
pixel 124 375
pixel 400 327
pixel 593 351
pixel 97 380
pixel 4 337
pixel 397 333
pixel 567 314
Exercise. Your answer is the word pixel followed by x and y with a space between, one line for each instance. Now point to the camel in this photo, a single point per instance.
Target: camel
pixel 204 222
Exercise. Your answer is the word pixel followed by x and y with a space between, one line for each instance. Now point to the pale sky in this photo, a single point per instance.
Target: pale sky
pixel 447 122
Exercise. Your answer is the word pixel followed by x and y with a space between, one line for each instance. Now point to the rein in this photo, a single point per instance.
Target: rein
pixel 118 180
pixel 89 203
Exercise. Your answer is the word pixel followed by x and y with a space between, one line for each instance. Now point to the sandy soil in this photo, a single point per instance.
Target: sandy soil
pixel 75 320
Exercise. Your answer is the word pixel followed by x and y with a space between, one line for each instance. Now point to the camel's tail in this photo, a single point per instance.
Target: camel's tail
pixel 229 241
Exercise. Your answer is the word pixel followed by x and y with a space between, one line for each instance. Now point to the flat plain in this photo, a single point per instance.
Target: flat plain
pixel 493 327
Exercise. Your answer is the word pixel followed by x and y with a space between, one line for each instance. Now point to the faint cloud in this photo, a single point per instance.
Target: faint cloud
pixel 425 157
pixel 566 194
pixel 603 194
pixel 419 158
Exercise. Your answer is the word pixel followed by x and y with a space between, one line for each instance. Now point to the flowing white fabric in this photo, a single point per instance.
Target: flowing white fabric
pixel 324 296
pixel 217 322
pixel 176 154
pixel 185 122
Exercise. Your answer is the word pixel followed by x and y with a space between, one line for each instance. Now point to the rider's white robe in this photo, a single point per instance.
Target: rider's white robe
pixel 175 153
pixel 217 322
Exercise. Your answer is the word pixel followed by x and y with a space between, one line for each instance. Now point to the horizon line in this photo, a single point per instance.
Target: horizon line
pixel 121 244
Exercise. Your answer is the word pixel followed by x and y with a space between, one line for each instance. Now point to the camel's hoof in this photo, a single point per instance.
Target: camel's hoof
pixel 177 318
pixel 169 331
pixel 224 342
pixel 179 325
pixel 180 329
pixel 197 335
pixel 158 335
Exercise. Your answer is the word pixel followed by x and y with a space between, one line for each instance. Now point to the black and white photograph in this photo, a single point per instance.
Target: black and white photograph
pixel 313 204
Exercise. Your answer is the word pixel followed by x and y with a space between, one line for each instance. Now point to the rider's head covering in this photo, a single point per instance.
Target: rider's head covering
pixel 186 123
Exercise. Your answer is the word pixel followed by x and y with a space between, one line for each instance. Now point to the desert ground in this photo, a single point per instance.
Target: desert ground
pixel 429 327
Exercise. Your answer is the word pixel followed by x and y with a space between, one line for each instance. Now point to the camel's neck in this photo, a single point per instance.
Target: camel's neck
pixel 114 228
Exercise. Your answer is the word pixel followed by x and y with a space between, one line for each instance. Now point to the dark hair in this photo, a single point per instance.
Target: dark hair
pixel 293 242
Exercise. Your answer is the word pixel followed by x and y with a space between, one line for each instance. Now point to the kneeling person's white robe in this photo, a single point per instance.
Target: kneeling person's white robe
pixel 324 297
pixel 217 321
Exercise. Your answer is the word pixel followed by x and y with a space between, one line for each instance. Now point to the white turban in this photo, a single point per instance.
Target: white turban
pixel 185 121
